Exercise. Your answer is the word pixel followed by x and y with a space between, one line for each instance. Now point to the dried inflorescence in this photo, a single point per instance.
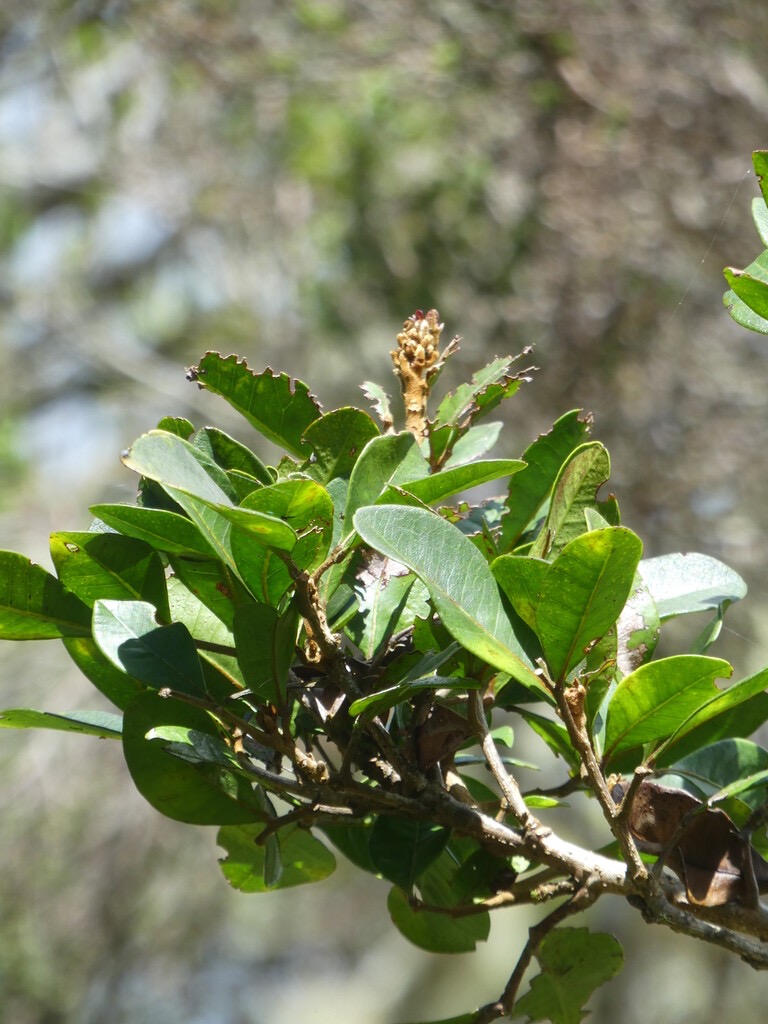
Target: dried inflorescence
pixel 419 341
pixel 417 353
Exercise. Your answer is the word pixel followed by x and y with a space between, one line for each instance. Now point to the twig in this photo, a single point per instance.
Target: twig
pixel 306 815
pixel 518 895
pixel 657 909
pixel 570 702
pixel 536 935
pixel 510 790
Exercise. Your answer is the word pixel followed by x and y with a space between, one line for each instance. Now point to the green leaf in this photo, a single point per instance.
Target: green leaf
pixel 111 681
pixel 583 593
pixel 90 723
pixel 751 285
pixel 211 583
pixel 177 425
pixel 521 579
pixel 743 315
pixel 194 746
pixel 248 541
pixel 473 444
pixel 402 849
pixel 681 584
pixel 638 628
pixel 384 462
pixel 750 790
pixel 266 647
pixel 575 600
pixel 529 489
pixel 305 506
pixel 175 463
pixel 383 700
pixel 653 702
pixel 337 439
pixel 582 475
pixel 160 656
pixel 739 710
pixel 352 842
pixel 231 455
pixel 379 399
pixel 439 486
pixel 459 581
pixel 303 858
pixel 732 767
pixel 239 536
pixel 486 390
pixel 760 217
pixel 437 933
pixel 760 164
pixel 389 599
pixel 106 565
pixel 163 530
pixel 257 563
pixel 199 794
pixel 281 409
pixel 574 962
pixel 35 605
pixel 554 734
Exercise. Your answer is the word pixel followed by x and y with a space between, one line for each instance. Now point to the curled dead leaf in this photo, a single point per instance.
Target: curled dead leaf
pixel 701 844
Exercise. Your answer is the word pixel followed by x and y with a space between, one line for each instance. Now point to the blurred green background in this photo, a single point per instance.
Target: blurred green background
pixel 288 181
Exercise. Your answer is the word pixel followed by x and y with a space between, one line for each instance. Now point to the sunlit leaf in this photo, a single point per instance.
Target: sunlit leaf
pixel 582 475
pixel 337 439
pixel 107 565
pixel 653 702
pixel 544 458
pixel 173 462
pixel 751 284
pixel 707 723
pixel 127 633
pixel 385 461
pixel 743 315
pixel 459 581
pixel 521 578
pixel 485 391
pixel 279 408
pixel 380 401
pixel 681 584
pixel 583 592
pixel 89 723
pixel 389 598
pixel 35 605
pixel 439 486
pixel 164 530
pixel 231 455
pixel 475 443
